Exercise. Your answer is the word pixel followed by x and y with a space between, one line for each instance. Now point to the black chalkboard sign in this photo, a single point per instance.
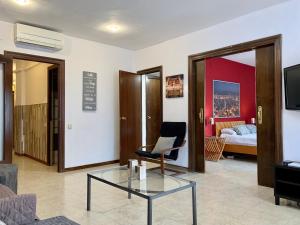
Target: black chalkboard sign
pixel 89 91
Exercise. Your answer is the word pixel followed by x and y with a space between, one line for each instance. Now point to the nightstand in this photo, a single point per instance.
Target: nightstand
pixel 287 183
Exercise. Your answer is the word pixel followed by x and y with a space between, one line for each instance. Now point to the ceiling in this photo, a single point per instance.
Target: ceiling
pixel 247 58
pixel 145 22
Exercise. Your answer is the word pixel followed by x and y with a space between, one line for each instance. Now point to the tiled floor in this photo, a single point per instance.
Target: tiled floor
pixel 227 195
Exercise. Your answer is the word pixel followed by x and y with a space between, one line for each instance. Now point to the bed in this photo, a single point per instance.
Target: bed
pixel 243 144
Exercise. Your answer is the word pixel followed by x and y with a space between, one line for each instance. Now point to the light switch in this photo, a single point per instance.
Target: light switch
pixel 70 126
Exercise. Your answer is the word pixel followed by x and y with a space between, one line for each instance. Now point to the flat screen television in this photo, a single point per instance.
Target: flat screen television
pixel 292 87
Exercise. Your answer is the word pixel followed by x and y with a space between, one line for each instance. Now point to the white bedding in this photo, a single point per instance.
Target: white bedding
pixel 248 139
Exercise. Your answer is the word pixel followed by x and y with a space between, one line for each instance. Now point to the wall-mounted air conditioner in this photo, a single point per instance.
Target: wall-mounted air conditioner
pixel 38 36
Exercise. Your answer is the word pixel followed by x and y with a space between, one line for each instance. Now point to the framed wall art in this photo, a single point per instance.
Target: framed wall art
pixel 226 99
pixel 174 86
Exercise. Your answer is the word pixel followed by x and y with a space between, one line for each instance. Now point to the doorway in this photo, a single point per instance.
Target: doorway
pixel 230 114
pixel 140 97
pixel 268 92
pixel 55 97
pixel 151 105
pixel 30 117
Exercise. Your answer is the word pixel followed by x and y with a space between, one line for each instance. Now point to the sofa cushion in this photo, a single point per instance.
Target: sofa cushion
pixel 18 210
pixel 5 192
pixel 163 143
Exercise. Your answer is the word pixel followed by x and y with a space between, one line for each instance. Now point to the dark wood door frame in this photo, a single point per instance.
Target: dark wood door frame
pixel 196 159
pixel 139 73
pixel 50 109
pixel 8 107
pixel 61 96
pixel 153 110
pixel 151 70
pixel 154 70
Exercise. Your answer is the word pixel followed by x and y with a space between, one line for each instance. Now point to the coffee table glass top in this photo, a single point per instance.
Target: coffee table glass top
pixel 155 183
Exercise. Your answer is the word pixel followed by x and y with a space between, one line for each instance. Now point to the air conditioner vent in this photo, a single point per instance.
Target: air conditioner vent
pixel 38 36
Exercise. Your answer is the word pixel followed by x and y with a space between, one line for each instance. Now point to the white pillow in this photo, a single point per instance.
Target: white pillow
pixel 228 131
pixel 163 143
pixel 2 223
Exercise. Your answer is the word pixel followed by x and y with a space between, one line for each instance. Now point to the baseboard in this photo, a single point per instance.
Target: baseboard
pixel 91 165
pixel 31 157
pixel 19 154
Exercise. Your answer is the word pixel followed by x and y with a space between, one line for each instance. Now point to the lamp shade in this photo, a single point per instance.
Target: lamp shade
pixel 212 120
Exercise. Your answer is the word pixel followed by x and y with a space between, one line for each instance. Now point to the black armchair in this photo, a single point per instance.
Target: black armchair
pixel 168 129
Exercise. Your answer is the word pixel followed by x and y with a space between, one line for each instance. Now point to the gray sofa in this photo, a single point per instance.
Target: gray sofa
pixel 20 209
pixel 9 176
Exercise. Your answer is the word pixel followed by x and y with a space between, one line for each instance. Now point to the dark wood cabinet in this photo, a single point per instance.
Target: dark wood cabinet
pixel 287 183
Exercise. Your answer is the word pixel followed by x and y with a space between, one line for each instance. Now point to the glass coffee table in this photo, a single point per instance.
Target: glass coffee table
pixel 154 186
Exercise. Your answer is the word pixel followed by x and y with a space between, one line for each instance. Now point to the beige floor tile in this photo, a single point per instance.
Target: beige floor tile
pixel 227 194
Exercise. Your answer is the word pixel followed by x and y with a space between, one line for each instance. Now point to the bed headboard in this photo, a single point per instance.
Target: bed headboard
pixel 227 124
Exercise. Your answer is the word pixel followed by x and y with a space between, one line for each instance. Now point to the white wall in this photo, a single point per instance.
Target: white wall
pixel 94 137
pixel 31 84
pixel 173 55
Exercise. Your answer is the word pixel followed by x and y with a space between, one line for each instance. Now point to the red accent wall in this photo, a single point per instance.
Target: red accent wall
pixel 227 70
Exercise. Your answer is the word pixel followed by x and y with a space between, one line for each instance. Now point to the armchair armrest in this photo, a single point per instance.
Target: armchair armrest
pixel 146 146
pixel 10 172
pixel 18 209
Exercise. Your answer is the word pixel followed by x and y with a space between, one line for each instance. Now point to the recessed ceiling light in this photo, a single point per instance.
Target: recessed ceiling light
pixel 22 2
pixel 113 28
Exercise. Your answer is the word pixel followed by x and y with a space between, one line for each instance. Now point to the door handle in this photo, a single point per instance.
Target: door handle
pixel 201 115
pixel 149 117
pixel 123 118
pixel 260 114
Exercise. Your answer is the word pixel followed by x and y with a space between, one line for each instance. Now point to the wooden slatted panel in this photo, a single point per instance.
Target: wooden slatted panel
pixel 34 131
pixel 18 130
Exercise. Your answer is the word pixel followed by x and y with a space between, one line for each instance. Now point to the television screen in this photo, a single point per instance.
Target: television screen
pixel 292 87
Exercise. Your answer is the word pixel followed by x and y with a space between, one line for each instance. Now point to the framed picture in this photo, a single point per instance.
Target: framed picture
pixel 89 91
pixel 226 99
pixel 174 86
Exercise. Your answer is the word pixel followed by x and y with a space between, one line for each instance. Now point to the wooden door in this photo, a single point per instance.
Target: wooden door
pixel 130 115
pixel 153 109
pixel 265 68
pixel 200 120
pixel 6 110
